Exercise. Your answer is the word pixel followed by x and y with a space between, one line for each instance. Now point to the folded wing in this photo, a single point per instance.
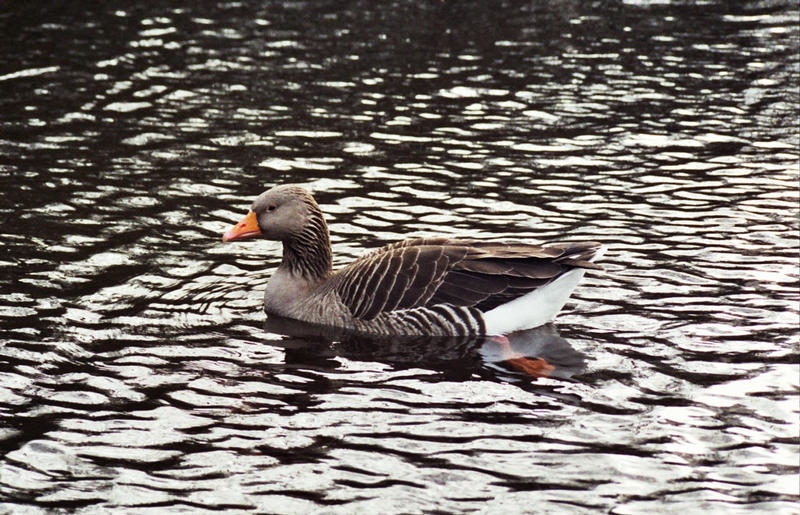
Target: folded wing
pixel 425 272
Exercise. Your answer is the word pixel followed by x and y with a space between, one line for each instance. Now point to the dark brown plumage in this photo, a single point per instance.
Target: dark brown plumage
pixel 428 271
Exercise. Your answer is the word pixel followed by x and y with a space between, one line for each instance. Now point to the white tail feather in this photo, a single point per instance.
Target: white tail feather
pixel 535 308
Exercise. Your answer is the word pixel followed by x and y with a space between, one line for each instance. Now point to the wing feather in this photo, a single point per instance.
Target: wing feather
pixel 370 301
pixel 429 271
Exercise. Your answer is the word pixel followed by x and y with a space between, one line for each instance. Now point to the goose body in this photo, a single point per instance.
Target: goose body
pixel 423 286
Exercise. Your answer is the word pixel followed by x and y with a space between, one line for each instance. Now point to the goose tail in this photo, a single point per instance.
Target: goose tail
pixel 538 307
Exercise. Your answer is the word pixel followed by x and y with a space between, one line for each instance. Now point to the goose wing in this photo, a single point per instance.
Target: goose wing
pixel 423 272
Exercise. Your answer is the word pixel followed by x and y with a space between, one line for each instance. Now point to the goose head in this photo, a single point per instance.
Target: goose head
pixel 282 214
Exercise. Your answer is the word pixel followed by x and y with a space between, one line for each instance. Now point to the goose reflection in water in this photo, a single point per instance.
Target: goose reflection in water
pixel 532 353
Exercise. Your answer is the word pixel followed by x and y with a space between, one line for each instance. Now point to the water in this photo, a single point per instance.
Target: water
pixel 137 370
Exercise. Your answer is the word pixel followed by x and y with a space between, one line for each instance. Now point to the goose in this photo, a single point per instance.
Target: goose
pixel 435 286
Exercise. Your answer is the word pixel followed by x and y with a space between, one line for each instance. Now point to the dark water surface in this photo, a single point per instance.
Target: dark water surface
pixel 136 370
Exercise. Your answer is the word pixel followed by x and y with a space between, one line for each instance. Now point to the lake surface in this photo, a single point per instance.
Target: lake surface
pixel 138 373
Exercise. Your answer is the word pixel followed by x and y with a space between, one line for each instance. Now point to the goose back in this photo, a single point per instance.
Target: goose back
pixel 428 272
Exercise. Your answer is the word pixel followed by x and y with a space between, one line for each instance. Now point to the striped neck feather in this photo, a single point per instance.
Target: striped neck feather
pixel 307 254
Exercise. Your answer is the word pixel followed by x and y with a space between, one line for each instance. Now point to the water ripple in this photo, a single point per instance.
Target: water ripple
pixel 138 370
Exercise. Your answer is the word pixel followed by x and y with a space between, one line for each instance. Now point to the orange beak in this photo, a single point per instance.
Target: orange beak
pixel 247 228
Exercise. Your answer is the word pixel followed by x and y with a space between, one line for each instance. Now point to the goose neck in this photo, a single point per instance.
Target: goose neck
pixel 308 254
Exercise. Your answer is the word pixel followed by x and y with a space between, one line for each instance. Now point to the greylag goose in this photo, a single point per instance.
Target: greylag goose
pixel 422 286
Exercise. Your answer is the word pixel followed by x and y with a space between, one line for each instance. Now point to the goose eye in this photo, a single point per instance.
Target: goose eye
pixel 270 208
